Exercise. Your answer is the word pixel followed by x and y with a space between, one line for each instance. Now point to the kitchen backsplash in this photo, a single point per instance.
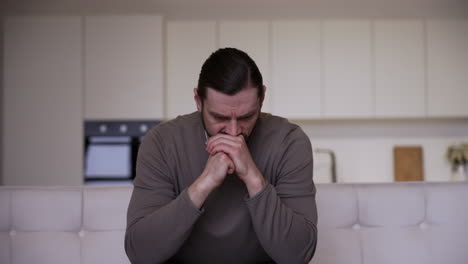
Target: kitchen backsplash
pixel 364 149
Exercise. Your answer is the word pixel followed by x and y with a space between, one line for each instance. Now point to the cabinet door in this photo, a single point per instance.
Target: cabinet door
pixel 296 70
pixel 348 90
pixel 399 68
pixel 43 128
pixel 123 67
pixel 253 38
pixel 447 51
pixel 188 46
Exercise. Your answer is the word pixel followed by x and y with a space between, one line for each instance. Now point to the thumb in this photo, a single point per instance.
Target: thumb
pixel 231 167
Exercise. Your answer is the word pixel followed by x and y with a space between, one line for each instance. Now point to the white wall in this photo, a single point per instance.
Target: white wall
pixel 364 148
pixel 208 9
pixel 354 142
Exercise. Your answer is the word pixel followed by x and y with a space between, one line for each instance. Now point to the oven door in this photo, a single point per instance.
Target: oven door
pixel 108 158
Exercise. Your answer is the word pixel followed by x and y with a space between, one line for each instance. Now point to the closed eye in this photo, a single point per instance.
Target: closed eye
pixel 221 118
pixel 245 118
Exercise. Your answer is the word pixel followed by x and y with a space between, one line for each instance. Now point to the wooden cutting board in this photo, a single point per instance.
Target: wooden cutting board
pixel 408 163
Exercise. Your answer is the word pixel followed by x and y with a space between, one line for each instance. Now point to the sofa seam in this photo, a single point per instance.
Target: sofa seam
pixel 361 244
pixel 10 209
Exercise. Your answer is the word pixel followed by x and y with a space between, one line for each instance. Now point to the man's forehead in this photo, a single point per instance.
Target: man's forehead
pixel 247 93
pixel 242 102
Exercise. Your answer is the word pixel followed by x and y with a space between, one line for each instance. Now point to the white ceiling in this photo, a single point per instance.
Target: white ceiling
pixel 247 8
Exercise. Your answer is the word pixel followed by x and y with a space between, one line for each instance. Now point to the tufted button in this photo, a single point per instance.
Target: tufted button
pixel 81 233
pixel 356 226
pixel 423 225
pixel 12 233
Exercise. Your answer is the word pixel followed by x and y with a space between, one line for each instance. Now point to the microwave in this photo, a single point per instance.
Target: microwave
pixel 111 149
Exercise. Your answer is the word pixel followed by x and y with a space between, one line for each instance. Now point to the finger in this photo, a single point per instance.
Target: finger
pixel 225 148
pixel 222 156
pixel 222 140
pixel 225 158
pixel 231 167
pixel 220 136
pixel 213 145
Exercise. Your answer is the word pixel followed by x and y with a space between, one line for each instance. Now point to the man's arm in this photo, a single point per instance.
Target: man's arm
pixel 158 221
pixel 284 216
pixel 216 169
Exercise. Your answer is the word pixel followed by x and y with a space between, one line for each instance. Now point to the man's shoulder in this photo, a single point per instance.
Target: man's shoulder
pixel 276 140
pixel 273 129
pixel 276 125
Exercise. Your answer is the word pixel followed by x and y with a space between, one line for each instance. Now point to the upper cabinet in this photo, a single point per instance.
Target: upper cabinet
pixel 253 38
pixel 123 67
pixel 42 101
pixel 447 50
pixel 347 65
pixel 399 68
pixel 188 45
pixel 296 69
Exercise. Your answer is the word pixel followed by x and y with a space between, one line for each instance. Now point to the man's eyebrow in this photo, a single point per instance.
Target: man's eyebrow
pixel 247 115
pixel 218 115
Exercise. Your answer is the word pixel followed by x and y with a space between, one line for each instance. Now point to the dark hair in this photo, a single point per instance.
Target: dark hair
pixel 229 70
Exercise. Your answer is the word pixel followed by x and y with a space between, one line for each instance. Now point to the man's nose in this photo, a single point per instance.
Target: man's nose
pixel 233 128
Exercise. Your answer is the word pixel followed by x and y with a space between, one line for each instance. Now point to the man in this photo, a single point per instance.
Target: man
pixel 226 184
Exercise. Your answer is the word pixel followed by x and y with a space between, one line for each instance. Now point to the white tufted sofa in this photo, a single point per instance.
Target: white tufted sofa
pixel 412 223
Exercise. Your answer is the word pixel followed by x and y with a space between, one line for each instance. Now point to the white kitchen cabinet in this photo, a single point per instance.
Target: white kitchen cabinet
pixel 188 45
pixel 296 69
pixel 42 103
pixel 348 90
pixel 123 67
pixel 447 59
pixel 253 38
pixel 399 68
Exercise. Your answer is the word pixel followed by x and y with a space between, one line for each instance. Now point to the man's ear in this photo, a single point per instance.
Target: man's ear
pixel 197 98
pixel 263 97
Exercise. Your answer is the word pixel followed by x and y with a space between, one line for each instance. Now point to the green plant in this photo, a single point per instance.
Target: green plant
pixel 457 155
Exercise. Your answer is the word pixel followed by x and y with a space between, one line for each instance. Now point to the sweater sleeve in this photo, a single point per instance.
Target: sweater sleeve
pixel 284 216
pixel 158 220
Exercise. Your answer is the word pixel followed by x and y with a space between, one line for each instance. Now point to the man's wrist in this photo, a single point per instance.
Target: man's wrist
pixel 255 184
pixel 205 185
pixel 199 190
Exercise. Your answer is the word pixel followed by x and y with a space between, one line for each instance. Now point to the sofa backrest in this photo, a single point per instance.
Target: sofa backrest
pixel 358 223
pixel 398 223
pixel 63 225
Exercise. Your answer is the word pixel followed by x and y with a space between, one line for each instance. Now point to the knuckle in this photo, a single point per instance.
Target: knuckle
pixel 222 156
pixel 238 148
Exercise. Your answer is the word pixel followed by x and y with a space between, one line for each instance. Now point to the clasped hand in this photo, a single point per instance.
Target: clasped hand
pixel 230 154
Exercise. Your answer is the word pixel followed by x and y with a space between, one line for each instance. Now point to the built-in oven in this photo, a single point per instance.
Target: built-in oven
pixel 111 149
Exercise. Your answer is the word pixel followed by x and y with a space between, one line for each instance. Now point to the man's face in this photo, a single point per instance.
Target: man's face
pixel 230 114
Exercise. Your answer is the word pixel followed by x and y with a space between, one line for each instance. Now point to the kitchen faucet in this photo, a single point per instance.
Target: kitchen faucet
pixel 333 161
